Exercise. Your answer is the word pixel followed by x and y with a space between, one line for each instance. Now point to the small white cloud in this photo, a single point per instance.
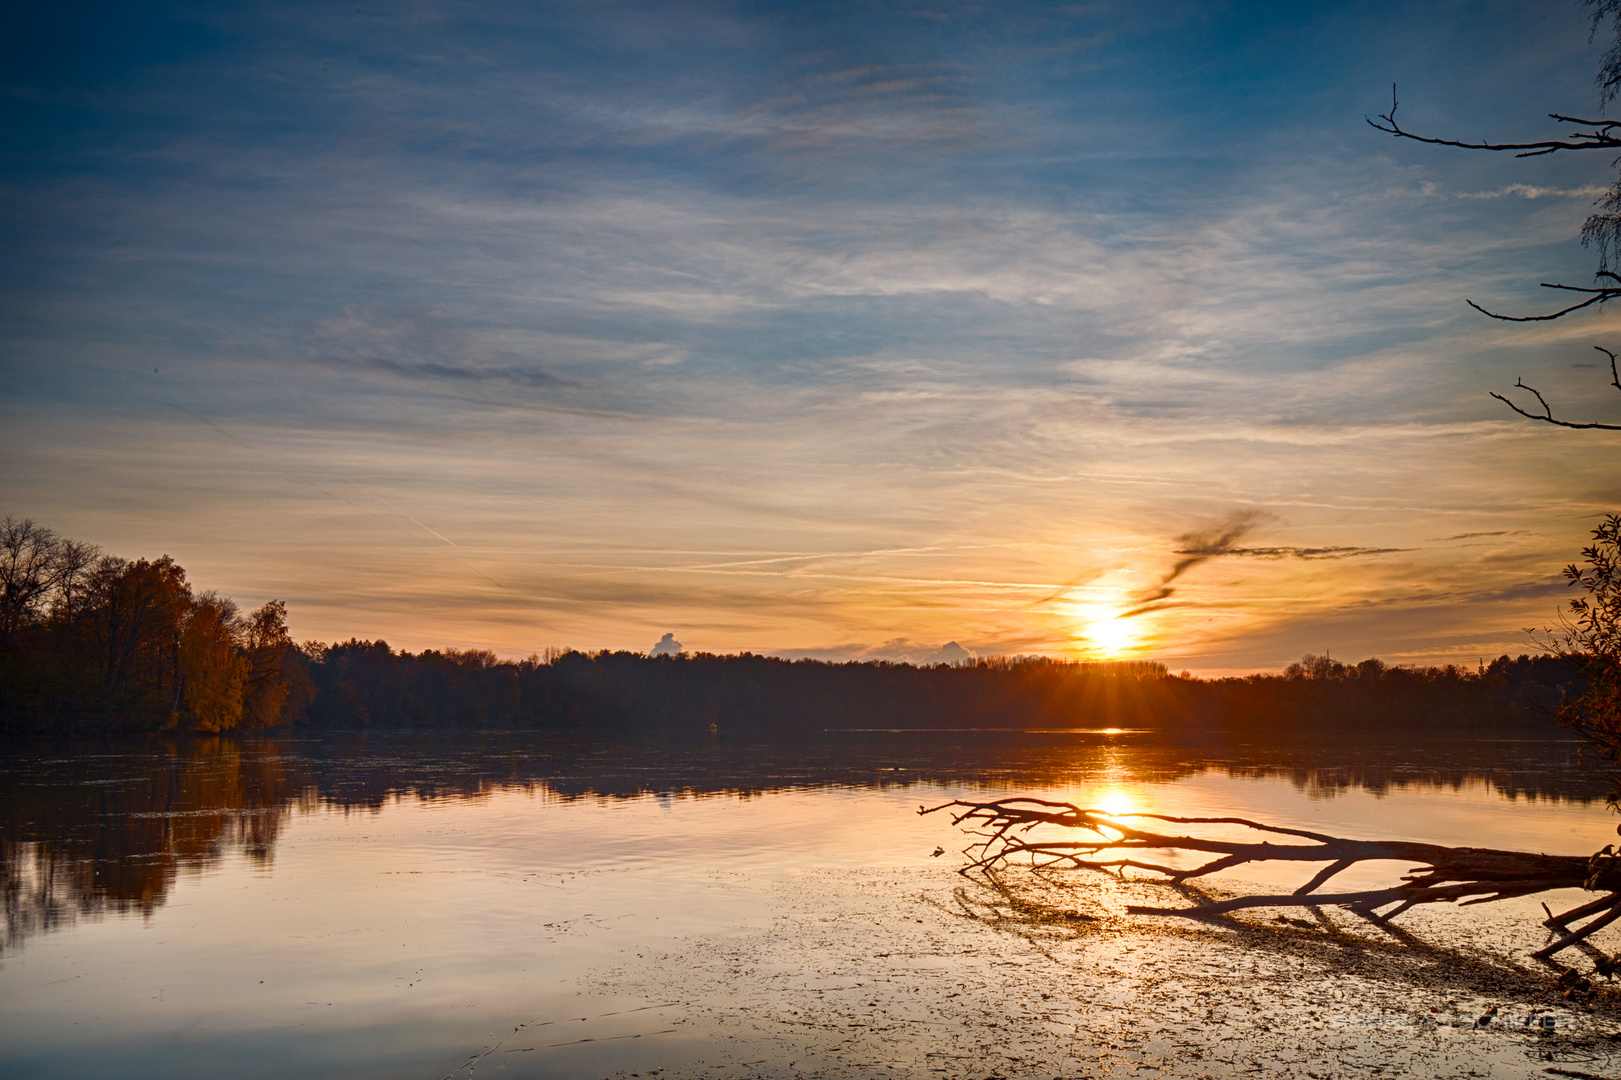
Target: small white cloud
pixel 667 646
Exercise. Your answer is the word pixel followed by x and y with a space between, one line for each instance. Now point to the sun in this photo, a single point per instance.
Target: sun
pixel 1114 636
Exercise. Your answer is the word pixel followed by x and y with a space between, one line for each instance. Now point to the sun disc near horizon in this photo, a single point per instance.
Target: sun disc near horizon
pixel 1113 637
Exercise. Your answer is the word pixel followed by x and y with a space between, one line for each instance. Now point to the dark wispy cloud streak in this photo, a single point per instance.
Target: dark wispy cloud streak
pixel 1307 553
pixel 1196 548
pixel 1222 541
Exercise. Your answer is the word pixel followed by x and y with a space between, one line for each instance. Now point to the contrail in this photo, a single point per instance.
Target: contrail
pixel 306 481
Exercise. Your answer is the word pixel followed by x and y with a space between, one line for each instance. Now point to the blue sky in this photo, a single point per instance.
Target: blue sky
pixel 837 330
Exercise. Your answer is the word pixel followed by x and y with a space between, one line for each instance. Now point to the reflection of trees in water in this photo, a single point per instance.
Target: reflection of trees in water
pixel 82 834
pixel 1513 768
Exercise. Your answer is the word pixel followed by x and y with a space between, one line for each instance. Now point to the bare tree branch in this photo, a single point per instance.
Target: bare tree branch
pixel 1600 295
pixel 1605 135
pixel 1602 228
pixel 1547 417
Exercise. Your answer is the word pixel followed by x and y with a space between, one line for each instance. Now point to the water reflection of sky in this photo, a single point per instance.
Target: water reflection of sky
pixel 185 911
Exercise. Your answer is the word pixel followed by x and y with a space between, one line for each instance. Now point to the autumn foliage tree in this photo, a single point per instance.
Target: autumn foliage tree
pixel 89 640
pixel 130 625
pixel 278 683
pixel 212 670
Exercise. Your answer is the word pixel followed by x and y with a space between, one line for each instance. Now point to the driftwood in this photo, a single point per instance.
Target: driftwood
pixel 1440 874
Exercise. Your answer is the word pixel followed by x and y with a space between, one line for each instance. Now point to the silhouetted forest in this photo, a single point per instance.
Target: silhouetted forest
pixel 95 644
pixel 362 684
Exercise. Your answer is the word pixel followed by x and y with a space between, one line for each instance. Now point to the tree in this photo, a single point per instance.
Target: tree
pixel 28 572
pixel 268 648
pixel 1602 230
pixel 212 670
pixel 1591 637
pixel 73 561
pixel 88 639
pixel 38 569
pixel 133 618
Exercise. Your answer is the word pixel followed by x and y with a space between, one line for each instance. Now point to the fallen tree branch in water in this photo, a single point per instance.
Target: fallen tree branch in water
pixel 1442 874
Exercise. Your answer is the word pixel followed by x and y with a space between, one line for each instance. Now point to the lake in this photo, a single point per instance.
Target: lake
pixel 455 905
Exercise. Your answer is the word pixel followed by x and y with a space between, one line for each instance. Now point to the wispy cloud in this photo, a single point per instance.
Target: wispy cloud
pixel 1532 191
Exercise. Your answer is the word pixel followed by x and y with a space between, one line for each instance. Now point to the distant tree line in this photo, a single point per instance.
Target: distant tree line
pixel 91 643
pixel 365 684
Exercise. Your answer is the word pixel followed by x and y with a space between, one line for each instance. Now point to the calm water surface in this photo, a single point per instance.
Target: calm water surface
pixel 394 906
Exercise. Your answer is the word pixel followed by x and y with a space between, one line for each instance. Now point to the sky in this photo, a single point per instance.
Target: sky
pixel 834 330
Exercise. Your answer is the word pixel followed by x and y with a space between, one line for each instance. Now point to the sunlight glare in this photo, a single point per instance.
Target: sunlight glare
pixel 1112 800
pixel 1113 636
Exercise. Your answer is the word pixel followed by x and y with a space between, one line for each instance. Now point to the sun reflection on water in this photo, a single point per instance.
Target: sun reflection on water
pixel 1113 799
